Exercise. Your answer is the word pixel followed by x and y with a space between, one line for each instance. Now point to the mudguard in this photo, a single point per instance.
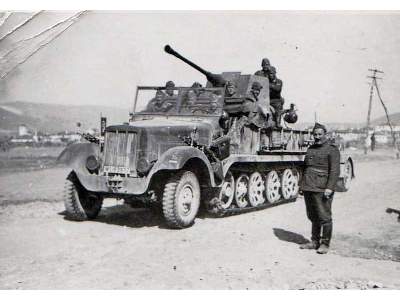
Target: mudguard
pixel 175 158
pixel 75 156
pixel 343 183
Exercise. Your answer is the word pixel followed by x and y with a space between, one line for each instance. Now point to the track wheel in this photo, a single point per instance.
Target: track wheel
pixel 272 185
pixel 79 204
pixel 256 189
pixel 181 199
pixel 290 184
pixel 241 189
pixel 227 191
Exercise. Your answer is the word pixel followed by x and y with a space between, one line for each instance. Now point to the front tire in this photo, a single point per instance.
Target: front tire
pixel 79 204
pixel 181 199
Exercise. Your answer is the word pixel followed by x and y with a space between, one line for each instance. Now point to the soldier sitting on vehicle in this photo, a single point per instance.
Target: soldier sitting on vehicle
pixel 233 103
pixel 158 104
pixel 169 88
pixel 276 100
pixel 255 110
pixel 265 65
pixel 254 107
pixel 230 89
pixel 193 94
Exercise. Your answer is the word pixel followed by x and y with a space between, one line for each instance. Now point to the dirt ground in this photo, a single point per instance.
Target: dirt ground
pixel 129 248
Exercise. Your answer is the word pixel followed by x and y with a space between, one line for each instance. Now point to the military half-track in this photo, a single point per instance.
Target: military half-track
pixel 196 148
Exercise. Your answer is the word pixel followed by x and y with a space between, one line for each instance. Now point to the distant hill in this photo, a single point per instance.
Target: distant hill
pixel 51 118
pixel 394 119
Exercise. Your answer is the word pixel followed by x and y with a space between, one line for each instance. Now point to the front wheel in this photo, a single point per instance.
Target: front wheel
pixel 181 199
pixel 79 204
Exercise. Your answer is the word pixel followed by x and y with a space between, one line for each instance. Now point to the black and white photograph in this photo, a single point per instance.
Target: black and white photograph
pixel 199 149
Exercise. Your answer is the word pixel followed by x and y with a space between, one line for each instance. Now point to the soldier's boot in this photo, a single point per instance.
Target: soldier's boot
pixel 315 237
pixel 313 245
pixel 326 238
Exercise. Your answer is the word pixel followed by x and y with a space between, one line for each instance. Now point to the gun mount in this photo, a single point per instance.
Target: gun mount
pixel 215 79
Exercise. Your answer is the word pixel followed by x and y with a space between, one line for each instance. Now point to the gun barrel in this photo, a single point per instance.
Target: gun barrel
pixel 171 51
pixel 215 79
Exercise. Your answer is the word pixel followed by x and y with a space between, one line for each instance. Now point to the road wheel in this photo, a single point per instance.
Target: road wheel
pixel 241 189
pixel 181 199
pixel 256 189
pixel 227 192
pixel 272 185
pixel 290 184
pixel 79 204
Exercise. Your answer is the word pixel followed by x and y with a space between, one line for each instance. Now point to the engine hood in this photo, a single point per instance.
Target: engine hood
pixel 155 136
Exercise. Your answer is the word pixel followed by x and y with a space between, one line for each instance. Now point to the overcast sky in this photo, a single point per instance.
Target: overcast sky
pixel 322 58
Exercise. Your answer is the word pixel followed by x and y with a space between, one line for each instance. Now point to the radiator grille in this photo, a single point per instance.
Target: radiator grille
pixel 120 152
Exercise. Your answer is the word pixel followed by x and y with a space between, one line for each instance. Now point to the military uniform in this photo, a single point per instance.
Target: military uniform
pixel 257 116
pixel 155 105
pixel 276 100
pixel 262 73
pixel 322 168
pixel 264 63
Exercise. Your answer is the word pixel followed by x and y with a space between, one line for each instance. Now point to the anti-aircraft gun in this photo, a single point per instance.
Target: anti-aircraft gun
pixel 184 156
pixel 243 84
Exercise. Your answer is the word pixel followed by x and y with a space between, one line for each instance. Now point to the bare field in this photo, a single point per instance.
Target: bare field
pixel 129 248
pixel 29 158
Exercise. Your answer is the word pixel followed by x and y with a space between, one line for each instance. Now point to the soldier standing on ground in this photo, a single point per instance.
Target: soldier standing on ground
pixel 322 168
pixel 265 65
pixel 373 142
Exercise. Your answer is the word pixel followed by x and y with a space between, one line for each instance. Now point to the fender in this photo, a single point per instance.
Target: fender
pixel 175 158
pixel 344 157
pixel 75 155
pixel 342 184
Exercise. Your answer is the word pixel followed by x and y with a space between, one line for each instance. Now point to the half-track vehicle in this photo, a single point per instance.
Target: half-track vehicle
pixel 194 148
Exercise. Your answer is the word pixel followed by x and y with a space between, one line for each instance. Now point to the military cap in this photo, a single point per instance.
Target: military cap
pixel 170 84
pixel 256 86
pixel 196 84
pixel 272 69
pixel 319 126
pixel 265 62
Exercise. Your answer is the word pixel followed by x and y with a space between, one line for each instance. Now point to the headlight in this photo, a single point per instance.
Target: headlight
pixel 143 165
pixel 92 164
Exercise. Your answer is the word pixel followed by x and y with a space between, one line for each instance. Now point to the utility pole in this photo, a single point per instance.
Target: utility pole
pixel 371 93
pixel 374 83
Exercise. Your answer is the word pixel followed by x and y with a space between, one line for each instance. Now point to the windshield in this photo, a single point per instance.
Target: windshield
pixel 178 101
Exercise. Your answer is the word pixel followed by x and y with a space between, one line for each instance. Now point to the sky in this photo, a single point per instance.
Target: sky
pixel 322 57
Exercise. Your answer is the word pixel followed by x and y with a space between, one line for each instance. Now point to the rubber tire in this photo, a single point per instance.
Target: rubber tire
pixel 170 199
pixel 341 186
pixel 76 202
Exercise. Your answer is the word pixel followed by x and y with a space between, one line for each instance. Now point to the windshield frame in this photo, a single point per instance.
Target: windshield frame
pixel 182 91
